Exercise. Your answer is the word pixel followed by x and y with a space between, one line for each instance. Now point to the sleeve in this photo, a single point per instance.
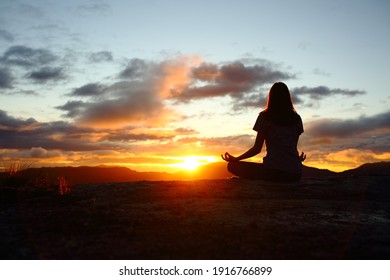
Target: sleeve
pixel 261 124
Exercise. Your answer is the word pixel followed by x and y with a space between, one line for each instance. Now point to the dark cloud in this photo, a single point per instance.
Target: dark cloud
pixel 73 108
pixel 137 68
pixel 128 102
pixel 46 74
pixel 103 56
pixel 351 127
pixel 27 57
pixel 45 139
pixel 256 100
pixel 134 100
pixel 5 35
pixel 38 65
pixel 25 134
pixel 205 72
pixel 5 78
pixel 366 132
pixel 126 136
pixel 8 122
pixel 321 92
pixel 92 89
pixel 233 79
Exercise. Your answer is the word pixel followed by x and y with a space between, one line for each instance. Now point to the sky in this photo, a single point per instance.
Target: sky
pixel 164 85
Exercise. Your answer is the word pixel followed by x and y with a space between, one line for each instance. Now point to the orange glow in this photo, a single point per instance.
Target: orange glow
pixel 192 162
pixel 177 75
pixel 343 160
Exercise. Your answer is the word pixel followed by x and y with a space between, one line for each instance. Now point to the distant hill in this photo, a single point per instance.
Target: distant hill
pixel 217 170
pixel 312 172
pixel 101 174
pixel 370 169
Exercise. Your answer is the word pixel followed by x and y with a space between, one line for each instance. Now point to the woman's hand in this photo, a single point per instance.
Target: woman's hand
pixel 228 157
pixel 302 156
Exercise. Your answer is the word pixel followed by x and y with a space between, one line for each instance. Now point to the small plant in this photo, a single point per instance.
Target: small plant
pixel 64 187
pixel 17 175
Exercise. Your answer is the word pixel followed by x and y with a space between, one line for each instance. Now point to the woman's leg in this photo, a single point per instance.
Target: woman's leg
pixel 257 171
pixel 247 170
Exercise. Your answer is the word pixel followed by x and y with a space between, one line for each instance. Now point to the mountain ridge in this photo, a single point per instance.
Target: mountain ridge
pixel 107 174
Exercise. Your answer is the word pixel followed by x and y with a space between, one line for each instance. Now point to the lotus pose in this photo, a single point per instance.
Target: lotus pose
pixel 279 126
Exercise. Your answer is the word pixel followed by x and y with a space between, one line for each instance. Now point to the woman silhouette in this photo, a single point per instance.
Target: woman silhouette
pixel 279 126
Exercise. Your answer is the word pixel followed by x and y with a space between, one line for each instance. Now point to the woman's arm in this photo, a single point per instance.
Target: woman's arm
pixel 250 153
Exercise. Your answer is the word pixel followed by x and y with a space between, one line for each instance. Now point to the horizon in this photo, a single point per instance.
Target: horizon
pixel 151 87
pixel 194 170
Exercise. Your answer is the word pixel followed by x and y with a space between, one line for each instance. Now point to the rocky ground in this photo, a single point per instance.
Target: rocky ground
pixel 332 218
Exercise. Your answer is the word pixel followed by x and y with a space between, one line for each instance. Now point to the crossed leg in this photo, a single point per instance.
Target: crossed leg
pixel 257 171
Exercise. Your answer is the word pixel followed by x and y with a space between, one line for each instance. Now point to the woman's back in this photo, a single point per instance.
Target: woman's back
pixel 281 142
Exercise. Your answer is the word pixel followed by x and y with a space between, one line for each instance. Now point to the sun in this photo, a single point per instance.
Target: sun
pixel 191 163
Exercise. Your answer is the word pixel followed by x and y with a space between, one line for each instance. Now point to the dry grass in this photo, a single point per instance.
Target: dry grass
pixel 21 175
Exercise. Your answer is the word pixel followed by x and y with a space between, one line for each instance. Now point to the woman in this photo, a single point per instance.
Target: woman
pixel 279 126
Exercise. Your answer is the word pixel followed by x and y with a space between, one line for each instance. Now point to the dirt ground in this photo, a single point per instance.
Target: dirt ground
pixel 332 218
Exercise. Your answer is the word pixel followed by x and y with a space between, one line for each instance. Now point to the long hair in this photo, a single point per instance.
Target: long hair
pixel 280 108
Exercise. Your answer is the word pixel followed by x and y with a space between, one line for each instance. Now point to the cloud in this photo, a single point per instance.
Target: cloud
pixel 321 72
pixel 350 127
pixel 39 152
pixel 255 100
pixel 38 65
pixel 137 68
pixel 125 103
pixel 73 108
pixel 92 89
pixel 185 130
pixel 18 133
pixel 356 157
pixel 27 57
pixel 320 92
pixel 147 92
pixel 232 79
pixel 8 122
pixel 5 78
pixel 126 136
pixel 46 74
pixel 5 35
pixel 137 99
pixel 331 136
pixel 103 56
pixel 136 109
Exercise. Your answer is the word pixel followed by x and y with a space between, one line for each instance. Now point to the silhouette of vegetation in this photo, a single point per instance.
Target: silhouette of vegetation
pixel 21 176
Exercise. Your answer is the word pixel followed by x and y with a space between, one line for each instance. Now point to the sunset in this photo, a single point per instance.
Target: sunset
pixel 182 130
pixel 192 162
pixel 140 85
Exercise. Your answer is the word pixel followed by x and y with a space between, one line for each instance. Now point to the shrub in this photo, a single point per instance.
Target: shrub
pixel 64 186
pixel 17 175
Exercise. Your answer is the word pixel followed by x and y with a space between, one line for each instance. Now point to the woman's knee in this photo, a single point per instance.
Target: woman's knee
pixel 232 167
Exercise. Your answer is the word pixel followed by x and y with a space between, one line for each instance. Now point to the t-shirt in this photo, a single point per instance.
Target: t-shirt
pixel 281 142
